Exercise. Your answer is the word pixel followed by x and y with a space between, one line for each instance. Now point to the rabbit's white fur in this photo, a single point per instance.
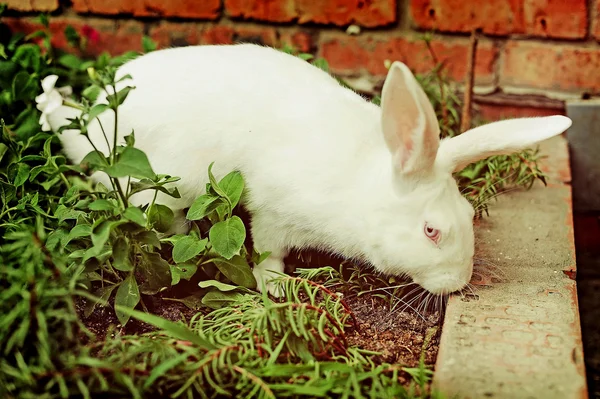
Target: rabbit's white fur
pixel 324 168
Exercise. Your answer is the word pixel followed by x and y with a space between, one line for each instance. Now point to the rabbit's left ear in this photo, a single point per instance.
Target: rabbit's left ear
pixel 408 122
pixel 498 138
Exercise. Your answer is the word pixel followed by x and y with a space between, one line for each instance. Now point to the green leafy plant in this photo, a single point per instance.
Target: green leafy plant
pixel 71 246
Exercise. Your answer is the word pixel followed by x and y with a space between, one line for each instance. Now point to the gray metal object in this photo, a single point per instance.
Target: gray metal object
pixel 584 143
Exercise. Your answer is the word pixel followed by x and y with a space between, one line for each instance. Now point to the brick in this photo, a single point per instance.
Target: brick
pixel 223 34
pixel 347 55
pixel 127 37
pixel 300 40
pixel 549 66
pixel 167 34
pixel 197 9
pixel 176 34
pixel 368 13
pixel 596 20
pixel 262 10
pixel 103 35
pixel 32 5
pixel 548 18
pixel 217 35
pixel 495 112
pixel 556 18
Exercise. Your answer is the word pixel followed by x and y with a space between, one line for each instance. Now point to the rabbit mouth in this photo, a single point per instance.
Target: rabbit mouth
pixel 443 284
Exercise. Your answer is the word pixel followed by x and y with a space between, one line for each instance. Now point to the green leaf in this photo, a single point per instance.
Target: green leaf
pixel 218 285
pixel 227 237
pixel 233 186
pixel 55 238
pixel 70 61
pixel 24 86
pixel 175 330
pixel 101 233
pixel 96 111
pixel 136 215
pixel 258 258
pixel 91 93
pixel 73 38
pixel 120 97
pixel 218 299
pixel 202 206
pixel 132 162
pixel 161 217
pixel 237 270
pixel 182 271
pixel 22 174
pixel 146 184
pixel 322 64
pixel 193 302
pixel 187 248
pixel 130 140
pixel 148 44
pixel 27 123
pixel 155 272
pixel 213 183
pixel 28 56
pixel 121 255
pixel 94 160
pixel 81 230
pixel 127 297
pixel 103 294
pixel 164 367
pixel 103 205
pixel 3 149
pixel 148 238
pixel 47 185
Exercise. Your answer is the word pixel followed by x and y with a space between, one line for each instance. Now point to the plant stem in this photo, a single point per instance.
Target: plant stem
pixel 150 208
pixel 127 189
pixel 73 105
pixel 114 182
pixel 103 133
pixel 116 123
pixel 64 179
pixel 122 196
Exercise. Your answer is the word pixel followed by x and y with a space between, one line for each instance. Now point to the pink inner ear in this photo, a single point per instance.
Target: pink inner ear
pixel 408 143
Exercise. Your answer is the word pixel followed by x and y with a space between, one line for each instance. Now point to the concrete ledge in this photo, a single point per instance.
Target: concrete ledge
pixel 520 336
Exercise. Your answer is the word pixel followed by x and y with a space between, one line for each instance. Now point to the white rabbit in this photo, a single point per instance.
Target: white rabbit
pixel 324 168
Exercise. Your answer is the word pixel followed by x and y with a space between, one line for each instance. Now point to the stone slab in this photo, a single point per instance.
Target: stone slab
pixel 519 335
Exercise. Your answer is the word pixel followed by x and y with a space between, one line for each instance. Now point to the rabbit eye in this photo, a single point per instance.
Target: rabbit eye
pixel 432 233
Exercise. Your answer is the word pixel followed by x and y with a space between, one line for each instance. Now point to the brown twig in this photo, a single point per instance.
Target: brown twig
pixel 465 123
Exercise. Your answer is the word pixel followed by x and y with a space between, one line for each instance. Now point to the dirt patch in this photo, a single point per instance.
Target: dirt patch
pixel 398 336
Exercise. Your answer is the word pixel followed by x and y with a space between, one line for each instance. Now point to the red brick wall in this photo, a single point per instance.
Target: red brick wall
pixel 533 54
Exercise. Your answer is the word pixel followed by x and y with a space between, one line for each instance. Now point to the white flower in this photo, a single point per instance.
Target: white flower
pixel 50 100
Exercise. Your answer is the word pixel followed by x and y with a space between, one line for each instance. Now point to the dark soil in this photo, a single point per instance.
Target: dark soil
pixel 398 336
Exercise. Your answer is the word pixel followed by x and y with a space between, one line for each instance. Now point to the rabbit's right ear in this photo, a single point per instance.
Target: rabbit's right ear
pixel 408 122
pixel 498 138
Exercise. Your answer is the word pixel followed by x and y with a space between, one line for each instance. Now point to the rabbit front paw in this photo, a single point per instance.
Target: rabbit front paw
pixel 265 272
